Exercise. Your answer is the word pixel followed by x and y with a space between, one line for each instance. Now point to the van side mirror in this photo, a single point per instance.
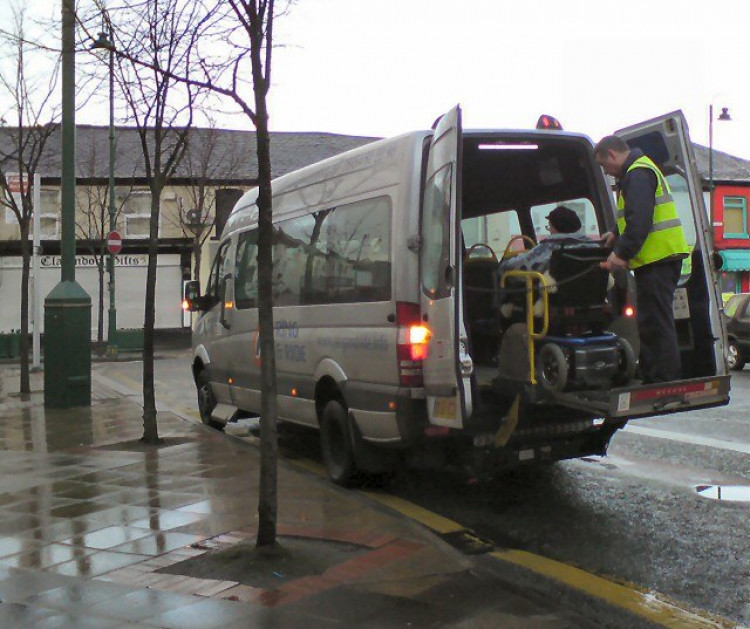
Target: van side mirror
pixel 191 297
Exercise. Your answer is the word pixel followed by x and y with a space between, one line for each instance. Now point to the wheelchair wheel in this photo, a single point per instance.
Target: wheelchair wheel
pixel 552 368
pixel 626 365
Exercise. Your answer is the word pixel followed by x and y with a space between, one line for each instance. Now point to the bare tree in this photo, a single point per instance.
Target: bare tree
pixel 153 42
pixel 92 222
pixel 239 69
pixel 208 162
pixel 256 19
pixel 27 128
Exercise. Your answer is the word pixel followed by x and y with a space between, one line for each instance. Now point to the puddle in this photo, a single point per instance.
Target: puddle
pixel 735 493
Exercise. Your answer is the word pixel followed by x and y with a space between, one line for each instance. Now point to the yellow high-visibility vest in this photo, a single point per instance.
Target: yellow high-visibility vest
pixel 666 238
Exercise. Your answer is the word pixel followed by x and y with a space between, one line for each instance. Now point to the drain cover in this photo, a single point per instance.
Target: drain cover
pixel 734 493
pixel 468 542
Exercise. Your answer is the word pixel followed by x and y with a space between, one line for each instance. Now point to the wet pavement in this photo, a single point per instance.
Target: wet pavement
pixel 89 518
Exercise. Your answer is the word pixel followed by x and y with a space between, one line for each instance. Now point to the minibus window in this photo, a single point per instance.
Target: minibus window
pixel 291 240
pixel 494 230
pixel 335 255
pixel 436 234
pixel 219 269
pixel 353 254
pixel 582 207
pixel 246 282
pixel 681 198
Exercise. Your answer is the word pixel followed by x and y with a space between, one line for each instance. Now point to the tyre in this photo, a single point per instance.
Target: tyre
pixel 336 444
pixel 206 400
pixel 735 357
pixel 626 366
pixel 552 368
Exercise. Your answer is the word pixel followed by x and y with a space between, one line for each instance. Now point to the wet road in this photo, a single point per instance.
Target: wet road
pixel 633 516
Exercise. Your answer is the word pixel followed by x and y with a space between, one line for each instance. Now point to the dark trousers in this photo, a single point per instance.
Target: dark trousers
pixel 655 285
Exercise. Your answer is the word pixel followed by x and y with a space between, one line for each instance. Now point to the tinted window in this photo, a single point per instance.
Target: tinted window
pixel 348 257
pixel 246 281
pixel 436 233
pixel 219 269
pixel 681 198
pixel 290 257
pixel 336 255
pixel 494 230
pixel 582 207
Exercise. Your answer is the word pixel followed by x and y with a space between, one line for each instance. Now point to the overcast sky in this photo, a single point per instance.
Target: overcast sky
pixel 383 67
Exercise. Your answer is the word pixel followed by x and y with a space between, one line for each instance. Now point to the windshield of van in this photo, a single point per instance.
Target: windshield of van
pixel 582 207
pixel 493 230
pixel 502 230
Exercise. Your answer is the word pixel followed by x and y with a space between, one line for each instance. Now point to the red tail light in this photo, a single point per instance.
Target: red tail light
pixel 412 345
pixel 629 311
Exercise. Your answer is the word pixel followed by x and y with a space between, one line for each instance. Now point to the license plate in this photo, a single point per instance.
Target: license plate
pixel 445 408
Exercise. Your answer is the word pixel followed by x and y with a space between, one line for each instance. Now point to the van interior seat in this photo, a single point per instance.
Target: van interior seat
pixel 480 285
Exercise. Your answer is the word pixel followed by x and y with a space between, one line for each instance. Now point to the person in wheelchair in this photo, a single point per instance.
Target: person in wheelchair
pixel 563 223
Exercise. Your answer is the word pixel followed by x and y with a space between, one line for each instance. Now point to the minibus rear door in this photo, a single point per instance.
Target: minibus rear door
pixel 705 381
pixel 666 141
pixel 447 366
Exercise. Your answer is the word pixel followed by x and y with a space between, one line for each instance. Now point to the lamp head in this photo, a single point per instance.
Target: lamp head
pixel 724 115
pixel 102 42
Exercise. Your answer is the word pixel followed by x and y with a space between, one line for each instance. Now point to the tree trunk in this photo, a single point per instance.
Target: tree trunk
pixel 269 449
pixel 150 428
pixel 197 258
pixel 24 340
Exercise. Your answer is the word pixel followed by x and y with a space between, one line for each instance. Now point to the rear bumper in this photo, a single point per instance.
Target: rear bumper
pixel 654 399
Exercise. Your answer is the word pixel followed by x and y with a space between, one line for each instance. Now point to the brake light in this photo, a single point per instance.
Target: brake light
pixel 412 345
pixel 629 311
pixel 185 304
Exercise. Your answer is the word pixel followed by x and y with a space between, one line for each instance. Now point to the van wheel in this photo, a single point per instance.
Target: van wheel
pixel 626 365
pixel 735 359
pixel 552 370
pixel 206 400
pixel 336 444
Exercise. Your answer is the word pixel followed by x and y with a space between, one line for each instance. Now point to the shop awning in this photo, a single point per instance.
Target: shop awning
pixel 736 260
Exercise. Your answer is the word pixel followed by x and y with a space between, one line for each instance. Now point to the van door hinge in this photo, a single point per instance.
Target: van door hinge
pixel 414 243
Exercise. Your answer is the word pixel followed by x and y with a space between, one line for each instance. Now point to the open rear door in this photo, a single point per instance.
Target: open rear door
pixel 667 142
pixel 447 367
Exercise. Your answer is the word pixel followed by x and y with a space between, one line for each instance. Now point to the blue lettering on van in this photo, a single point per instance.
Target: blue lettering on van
pixel 291 352
pixel 377 343
pixel 286 330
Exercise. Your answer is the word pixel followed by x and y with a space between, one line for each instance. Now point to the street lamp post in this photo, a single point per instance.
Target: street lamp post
pixel 723 116
pixel 104 42
pixel 67 308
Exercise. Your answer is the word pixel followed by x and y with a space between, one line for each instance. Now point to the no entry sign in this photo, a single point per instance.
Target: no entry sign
pixel 114 242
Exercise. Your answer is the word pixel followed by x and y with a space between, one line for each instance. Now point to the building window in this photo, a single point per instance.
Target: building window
pixel 136 211
pixel 735 217
pixel 49 226
pixel 49 216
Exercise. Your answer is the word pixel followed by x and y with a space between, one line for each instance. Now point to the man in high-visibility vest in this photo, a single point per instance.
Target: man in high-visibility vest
pixel 649 239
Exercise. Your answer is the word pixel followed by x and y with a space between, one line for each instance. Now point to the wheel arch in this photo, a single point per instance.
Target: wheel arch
pixel 330 380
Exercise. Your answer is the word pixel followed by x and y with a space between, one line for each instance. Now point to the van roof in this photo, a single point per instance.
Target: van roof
pixel 379 152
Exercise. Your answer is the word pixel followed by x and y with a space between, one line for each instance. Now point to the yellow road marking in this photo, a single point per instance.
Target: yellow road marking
pixel 436 522
pixel 649 605
pixel 653 607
